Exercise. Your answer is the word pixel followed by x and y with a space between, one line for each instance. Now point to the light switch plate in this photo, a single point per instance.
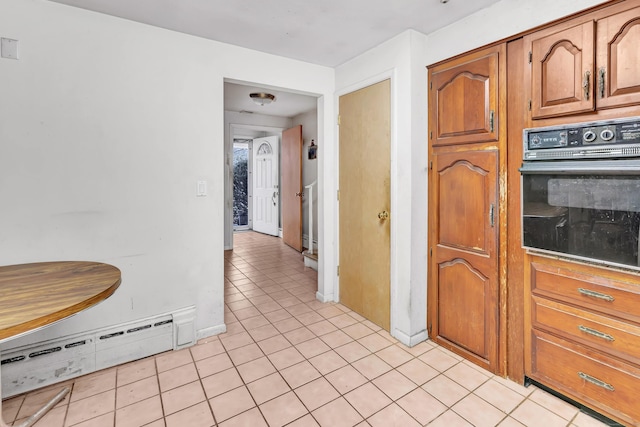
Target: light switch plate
pixel 201 188
pixel 8 48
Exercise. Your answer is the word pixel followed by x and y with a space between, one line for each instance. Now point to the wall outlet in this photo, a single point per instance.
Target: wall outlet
pixel 8 48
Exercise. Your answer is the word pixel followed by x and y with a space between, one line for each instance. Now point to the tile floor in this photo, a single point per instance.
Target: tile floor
pixel 287 359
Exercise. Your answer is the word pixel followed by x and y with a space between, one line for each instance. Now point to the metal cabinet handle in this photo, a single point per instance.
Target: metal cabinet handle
pixel 586 84
pixel 601 81
pixel 273 198
pixel 383 215
pixel 596 333
pixel 594 294
pixel 300 194
pixel 595 381
pixel 491 120
pixel 491 212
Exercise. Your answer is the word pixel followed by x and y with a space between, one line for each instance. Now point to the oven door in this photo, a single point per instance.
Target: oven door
pixel 589 209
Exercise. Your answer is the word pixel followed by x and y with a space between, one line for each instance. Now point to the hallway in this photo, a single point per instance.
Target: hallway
pixel 287 359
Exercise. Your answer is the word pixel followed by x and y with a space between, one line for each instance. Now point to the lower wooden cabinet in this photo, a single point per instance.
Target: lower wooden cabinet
pixel 583 335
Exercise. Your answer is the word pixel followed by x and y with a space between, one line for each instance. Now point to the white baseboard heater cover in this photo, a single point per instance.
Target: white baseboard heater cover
pixel 37 365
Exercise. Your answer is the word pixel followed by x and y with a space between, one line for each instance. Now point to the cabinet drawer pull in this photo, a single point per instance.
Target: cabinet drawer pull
pixel 596 381
pixel 586 84
pixel 595 294
pixel 596 333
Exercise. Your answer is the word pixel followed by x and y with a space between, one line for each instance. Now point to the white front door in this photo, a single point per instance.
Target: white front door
pixel 266 196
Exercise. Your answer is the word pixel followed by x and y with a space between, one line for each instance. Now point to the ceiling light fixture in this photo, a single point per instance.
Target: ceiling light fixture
pixel 262 98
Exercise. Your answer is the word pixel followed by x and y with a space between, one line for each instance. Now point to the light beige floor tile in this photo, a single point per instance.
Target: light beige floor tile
pixel 394 356
pixel 268 388
pixel 450 419
pixel 173 359
pixel 392 416
pixel 438 359
pixel 182 397
pixel 232 403
pixel 336 339
pixel 274 344
pixel 221 382
pixel 342 321
pixel 371 366
pixel 510 422
pixel 178 376
pixel 394 384
pixel 554 404
pixel 346 379
pixel 306 421
pixel 421 406
pixel 283 410
pixel 263 332
pixel 466 376
pixel 139 414
pixel 285 358
pixel 93 384
pixel 312 348
pixel 250 418
pixel 367 399
pixel 322 327
pixel 195 416
pixel 531 414
pixel 135 371
pixel 328 362
pixel 236 341
pixel 374 342
pixel 137 391
pixel 316 393
pixel 91 407
pixel 214 364
pixel 499 396
pixel 287 325
pixel 478 412
pixel 445 390
pixel 254 322
pixel 245 354
pixel 417 371
pixel 584 420
pixel 337 413
pixel 299 374
pixel 357 331
pixel 255 369
pixel 106 420
pixel 299 335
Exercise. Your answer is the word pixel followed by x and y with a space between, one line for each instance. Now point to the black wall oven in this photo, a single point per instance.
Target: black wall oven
pixel 581 191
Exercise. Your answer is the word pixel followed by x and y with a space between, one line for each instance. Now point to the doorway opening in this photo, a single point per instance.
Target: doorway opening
pixel 241 177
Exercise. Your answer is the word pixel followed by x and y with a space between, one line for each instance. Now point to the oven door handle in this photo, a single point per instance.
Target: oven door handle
pixel 582 167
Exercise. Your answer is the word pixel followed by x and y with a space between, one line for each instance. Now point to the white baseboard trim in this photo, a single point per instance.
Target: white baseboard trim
pixel 324 298
pixel 209 332
pixel 410 340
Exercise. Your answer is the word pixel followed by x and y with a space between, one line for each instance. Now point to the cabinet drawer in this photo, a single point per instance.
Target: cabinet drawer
pixel 599 293
pixel 587 376
pixel 617 338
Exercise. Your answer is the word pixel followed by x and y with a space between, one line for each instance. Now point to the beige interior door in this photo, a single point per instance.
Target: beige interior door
pixel 364 214
pixel 291 187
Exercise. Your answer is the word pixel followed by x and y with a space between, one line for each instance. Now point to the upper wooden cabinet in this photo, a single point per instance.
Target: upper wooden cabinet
pixel 618 59
pixel 465 99
pixel 585 64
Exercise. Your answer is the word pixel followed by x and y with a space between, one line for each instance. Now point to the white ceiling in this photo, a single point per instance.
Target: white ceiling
pixel 323 32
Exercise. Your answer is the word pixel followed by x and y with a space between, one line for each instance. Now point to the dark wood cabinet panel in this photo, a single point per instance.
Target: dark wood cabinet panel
pixel 464 263
pixel 618 59
pixel 562 62
pixel 465 98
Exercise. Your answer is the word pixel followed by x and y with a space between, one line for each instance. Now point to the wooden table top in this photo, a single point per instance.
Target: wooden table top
pixel 38 294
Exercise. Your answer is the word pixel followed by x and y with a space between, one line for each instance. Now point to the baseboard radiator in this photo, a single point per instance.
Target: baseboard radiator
pixel 37 365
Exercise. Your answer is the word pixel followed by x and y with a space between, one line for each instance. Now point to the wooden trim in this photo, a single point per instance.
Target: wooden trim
pixel 515 259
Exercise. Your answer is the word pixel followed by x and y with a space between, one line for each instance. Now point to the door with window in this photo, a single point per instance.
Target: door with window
pixel 266 196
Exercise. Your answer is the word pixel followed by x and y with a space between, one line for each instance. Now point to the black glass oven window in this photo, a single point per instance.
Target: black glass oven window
pixel 593 217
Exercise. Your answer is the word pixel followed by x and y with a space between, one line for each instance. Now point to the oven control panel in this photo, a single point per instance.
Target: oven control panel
pixel 610 138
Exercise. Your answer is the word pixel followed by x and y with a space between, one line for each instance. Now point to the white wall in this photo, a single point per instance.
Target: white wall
pixel 105 127
pixel 309 122
pixel 401 59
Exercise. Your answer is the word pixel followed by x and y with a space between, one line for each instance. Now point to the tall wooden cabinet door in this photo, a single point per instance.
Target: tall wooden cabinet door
pixel 618 59
pixel 466 100
pixel 562 63
pixel 463 286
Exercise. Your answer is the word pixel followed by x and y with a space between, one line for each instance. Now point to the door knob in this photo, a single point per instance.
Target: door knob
pixel 383 215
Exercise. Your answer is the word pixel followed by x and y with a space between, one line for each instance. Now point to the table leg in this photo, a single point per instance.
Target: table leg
pixel 39 414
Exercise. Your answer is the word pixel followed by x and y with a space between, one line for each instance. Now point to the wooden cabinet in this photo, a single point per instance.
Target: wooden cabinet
pixel 584 335
pixel 466 103
pixel 586 64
